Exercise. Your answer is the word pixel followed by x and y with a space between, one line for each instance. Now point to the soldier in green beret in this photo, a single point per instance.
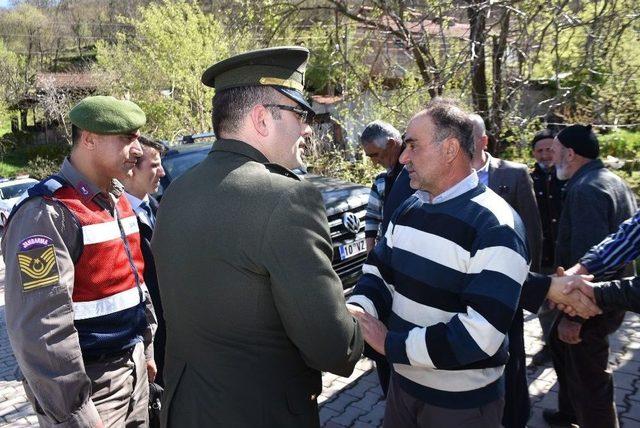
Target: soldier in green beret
pixel 253 309
pixel 78 314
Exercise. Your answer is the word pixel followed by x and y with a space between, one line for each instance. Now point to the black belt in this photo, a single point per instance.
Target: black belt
pixel 96 358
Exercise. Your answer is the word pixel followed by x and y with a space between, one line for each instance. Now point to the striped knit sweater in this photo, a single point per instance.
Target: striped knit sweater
pixel 446 280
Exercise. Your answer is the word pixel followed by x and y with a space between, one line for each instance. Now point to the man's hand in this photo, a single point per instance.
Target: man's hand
pixel 152 370
pixel 569 331
pixel 370 242
pixel 577 269
pixel 374 331
pixel 582 285
pixel 559 306
pixel 568 292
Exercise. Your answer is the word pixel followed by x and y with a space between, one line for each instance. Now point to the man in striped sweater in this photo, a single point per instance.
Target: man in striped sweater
pixel 447 276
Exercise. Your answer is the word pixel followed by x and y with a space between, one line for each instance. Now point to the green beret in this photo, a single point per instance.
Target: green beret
pixel 281 67
pixel 107 115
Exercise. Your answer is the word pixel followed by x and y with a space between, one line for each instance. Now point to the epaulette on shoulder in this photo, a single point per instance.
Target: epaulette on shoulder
pixel 45 188
pixel 281 170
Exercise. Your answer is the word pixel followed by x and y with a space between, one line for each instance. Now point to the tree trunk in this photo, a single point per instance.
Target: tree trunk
pixel 477 23
pixel 498 102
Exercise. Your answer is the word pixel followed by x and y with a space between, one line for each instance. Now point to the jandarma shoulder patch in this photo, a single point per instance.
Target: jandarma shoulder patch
pixel 37 263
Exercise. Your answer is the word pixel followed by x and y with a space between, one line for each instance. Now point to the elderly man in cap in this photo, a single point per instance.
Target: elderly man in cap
pixel 595 202
pixel 78 314
pixel 253 309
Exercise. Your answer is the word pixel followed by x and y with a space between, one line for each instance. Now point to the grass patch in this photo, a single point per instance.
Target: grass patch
pixel 13 163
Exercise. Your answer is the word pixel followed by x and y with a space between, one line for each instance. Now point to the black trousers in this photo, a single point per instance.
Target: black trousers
pixel 584 380
pixel 517 407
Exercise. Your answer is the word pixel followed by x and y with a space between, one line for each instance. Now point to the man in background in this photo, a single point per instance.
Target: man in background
pixel 595 202
pixel 382 143
pixel 144 181
pixel 548 189
pixel 512 182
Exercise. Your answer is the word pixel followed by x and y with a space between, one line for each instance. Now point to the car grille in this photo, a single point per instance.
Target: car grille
pixel 348 270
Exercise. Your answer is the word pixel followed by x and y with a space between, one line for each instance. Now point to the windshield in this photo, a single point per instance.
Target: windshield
pixel 175 166
pixel 15 190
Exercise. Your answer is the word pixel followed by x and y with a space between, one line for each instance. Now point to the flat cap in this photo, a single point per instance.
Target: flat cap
pixel 280 67
pixel 107 115
pixel 581 139
pixel 542 135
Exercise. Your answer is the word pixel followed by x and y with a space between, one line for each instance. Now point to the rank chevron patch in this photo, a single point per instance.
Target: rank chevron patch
pixel 38 268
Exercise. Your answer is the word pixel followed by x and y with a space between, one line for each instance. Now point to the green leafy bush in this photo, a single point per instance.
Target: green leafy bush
pixel 41 167
pixel 621 144
pixel 55 152
pixel 336 163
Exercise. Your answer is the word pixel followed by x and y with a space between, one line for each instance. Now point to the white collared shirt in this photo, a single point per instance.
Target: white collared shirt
pixel 466 184
pixel 136 205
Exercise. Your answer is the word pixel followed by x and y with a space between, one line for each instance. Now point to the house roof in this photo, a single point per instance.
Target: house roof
pixel 66 81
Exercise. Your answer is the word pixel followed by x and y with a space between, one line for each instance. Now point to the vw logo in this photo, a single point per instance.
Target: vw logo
pixel 351 222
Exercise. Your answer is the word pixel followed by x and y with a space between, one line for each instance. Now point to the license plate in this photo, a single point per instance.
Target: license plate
pixel 352 249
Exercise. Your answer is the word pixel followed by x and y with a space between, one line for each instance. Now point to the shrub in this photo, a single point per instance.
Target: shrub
pixel 621 144
pixel 56 152
pixel 41 167
pixel 335 163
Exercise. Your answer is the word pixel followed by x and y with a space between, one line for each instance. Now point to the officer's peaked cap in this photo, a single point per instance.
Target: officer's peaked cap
pixel 281 67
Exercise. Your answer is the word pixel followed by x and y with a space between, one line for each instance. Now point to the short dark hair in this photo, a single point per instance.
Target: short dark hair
pixel 150 142
pixel 451 120
pixel 75 134
pixel 230 106
pixel 379 131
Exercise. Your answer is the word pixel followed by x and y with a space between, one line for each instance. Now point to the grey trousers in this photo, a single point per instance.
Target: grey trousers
pixel 405 411
pixel 120 391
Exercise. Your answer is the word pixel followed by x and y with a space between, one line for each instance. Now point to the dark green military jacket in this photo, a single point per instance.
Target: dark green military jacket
pixel 253 308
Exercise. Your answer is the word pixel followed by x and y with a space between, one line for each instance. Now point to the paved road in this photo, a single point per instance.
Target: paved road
pixel 357 402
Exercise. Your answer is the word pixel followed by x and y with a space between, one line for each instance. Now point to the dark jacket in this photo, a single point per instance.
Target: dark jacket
pixel 253 308
pixel 619 295
pixel 548 190
pixel 151 280
pixel 399 193
pixel 595 202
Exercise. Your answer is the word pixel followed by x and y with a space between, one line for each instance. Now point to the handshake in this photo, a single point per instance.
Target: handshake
pixel 573 294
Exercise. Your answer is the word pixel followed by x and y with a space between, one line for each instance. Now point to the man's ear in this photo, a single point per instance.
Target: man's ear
pixel 485 142
pixel 451 148
pixel 260 118
pixel 88 140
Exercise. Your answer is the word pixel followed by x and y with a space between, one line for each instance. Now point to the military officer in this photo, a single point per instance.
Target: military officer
pixel 253 309
pixel 77 309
